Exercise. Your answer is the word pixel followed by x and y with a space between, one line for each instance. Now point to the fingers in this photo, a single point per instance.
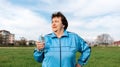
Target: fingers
pixel 78 65
pixel 39 45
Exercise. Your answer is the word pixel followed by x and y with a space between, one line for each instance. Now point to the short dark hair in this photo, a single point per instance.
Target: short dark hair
pixel 63 18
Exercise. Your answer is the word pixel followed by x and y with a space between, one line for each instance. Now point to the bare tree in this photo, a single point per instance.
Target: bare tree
pixel 104 39
pixel 23 41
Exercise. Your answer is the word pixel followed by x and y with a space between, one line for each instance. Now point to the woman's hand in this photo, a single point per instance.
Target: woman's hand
pixel 39 45
pixel 78 65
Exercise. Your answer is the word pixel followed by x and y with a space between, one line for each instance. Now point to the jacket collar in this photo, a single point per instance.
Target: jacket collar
pixel 65 34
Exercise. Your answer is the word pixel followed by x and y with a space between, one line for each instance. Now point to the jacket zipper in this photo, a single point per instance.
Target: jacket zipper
pixel 60 51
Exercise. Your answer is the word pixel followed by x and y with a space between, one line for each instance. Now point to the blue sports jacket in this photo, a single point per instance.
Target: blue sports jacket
pixel 61 52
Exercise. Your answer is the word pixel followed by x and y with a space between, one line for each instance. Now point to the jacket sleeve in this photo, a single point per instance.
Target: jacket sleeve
pixel 84 49
pixel 38 55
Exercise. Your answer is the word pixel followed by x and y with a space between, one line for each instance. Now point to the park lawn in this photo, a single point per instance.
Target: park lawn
pixel 104 57
pixel 17 57
pixel 23 57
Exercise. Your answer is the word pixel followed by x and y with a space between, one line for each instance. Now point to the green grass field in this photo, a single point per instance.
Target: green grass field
pixel 23 57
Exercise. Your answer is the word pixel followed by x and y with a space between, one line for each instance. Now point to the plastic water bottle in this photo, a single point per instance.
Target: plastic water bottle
pixel 41 38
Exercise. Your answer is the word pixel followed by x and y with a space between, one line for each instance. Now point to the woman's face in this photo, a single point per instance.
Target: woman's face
pixel 57 24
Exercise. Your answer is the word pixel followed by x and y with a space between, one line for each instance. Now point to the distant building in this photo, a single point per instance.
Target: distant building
pixel 30 42
pixel 6 37
pixel 117 43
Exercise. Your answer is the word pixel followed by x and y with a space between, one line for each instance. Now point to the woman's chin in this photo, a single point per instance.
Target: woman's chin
pixel 54 30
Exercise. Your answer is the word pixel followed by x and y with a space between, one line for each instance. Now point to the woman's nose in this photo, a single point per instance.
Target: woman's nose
pixel 53 24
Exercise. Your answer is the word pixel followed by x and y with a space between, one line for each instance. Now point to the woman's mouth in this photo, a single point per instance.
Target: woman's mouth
pixel 54 27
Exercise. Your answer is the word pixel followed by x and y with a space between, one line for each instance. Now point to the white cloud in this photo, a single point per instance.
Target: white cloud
pixel 62 5
pixel 99 7
pixel 97 26
pixel 88 18
pixel 22 21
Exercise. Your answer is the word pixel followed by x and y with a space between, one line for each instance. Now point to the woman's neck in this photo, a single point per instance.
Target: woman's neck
pixel 59 33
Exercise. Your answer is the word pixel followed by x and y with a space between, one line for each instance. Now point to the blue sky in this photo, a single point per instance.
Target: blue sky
pixel 88 18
